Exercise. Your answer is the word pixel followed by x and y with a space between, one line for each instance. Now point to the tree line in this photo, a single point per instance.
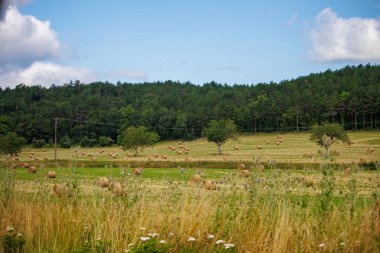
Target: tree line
pixel 96 113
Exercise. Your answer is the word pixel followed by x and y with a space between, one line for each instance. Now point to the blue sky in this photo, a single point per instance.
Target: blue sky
pixel 198 41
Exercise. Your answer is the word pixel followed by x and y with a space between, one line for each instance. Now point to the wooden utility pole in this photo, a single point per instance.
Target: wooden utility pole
pixel 55 137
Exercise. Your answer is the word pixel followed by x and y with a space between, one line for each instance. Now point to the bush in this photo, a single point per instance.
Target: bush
pixel 65 142
pixel 88 142
pixel 38 143
pixel 105 141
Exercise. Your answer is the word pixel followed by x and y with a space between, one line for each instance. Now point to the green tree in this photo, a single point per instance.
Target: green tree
pixel 137 138
pixel 326 134
pixel 11 144
pixel 220 131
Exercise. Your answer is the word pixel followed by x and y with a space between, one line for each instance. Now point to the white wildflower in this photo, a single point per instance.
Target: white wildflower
pixel 9 229
pixel 162 242
pixel 191 239
pixel 153 235
pixel 322 246
pixel 144 239
pixel 19 235
pixel 210 236
pixel 171 235
pixel 228 245
pixel 220 242
pixel 142 229
pixel 342 244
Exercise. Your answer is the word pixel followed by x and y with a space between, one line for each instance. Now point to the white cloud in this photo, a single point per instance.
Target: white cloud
pixel 45 74
pixel 334 38
pixel 25 39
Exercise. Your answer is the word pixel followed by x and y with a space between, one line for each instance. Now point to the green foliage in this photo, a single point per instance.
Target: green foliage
pixel 327 186
pixel 88 142
pixel 332 130
pixel 38 143
pixel 176 110
pixel 65 142
pixel 326 134
pixel 11 144
pixel 12 242
pixel 137 138
pixel 220 131
pixel 7 185
pixel 150 246
pixel 105 141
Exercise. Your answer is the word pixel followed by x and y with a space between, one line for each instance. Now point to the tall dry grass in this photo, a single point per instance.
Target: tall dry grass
pixel 253 215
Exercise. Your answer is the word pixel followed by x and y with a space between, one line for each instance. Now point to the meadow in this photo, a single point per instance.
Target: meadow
pixel 283 208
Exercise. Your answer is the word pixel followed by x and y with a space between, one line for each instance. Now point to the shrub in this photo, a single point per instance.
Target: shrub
pixel 38 143
pixel 65 142
pixel 88 142
pixel 105 141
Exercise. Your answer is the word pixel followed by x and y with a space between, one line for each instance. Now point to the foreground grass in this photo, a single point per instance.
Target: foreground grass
pixel 271 211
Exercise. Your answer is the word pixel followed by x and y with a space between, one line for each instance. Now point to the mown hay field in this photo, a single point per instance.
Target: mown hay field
pixel 294 148
pixel 334 207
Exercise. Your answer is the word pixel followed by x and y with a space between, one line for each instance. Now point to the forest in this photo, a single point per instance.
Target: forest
pixel 95 113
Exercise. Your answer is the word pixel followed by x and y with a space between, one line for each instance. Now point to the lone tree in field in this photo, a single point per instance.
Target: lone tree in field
pixel 11 144
pixel 137 138
pixel 220 131
pixel 326 134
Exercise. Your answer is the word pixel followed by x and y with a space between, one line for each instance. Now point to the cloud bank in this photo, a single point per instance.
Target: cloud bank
pixel 337 39
pixel 25 39
pixel 27 47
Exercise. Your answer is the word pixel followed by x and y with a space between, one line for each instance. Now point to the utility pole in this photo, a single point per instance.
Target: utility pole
pixel 55 137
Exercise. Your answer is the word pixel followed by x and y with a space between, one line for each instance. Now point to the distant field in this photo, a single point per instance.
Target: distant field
pixel 295 148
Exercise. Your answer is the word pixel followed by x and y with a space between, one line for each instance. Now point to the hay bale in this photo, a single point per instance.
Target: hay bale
pixel 117 189
pixel 60 190
pixel 242 166
pixel 32 169
pixel 196 179
pixel 209 185
pixel 103 182
pixel 51 174
pixel 245 173
pixel 308 181
pixel 258 147
pixel 137 171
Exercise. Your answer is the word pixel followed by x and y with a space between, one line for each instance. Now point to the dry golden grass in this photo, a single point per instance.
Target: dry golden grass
pixel 272 211
pixel 295 148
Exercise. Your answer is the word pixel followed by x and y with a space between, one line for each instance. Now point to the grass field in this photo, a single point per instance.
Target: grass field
pixel 294 149
pixel 317 209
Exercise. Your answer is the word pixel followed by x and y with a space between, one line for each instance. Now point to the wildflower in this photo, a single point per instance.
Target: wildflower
pixel 228 245
pixel 153 235
pixel 191 239
pixel 322 246
pixel 9 229
pixel 342 244
pixel 171 235
pixel 209 236
pixel 220 242
pixel 162 242
pixel 144 239
pixel 142 229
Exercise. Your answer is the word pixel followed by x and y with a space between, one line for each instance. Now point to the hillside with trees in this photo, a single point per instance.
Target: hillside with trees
pixel 96 113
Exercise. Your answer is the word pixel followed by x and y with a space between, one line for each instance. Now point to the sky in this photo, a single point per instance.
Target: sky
pixel 44 42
